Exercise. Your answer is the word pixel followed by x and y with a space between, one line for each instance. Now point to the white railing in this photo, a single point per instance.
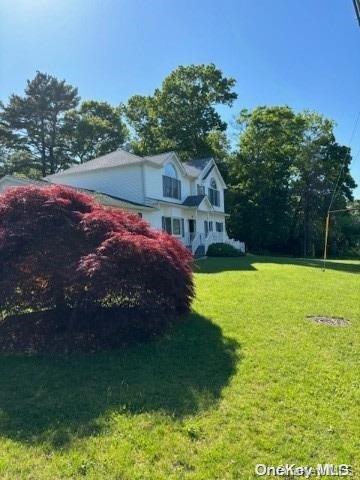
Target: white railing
pixel 187 239
pixel 194 240
pixel 197 241
pixel 209 240
pixel 236 244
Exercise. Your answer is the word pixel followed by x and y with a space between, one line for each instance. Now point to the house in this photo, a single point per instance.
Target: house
pixel 184 199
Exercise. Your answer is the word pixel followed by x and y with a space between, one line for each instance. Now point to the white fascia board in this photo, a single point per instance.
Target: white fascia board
pixel 207 168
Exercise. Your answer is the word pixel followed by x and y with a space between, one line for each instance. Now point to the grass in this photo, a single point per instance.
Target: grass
pixel 245 379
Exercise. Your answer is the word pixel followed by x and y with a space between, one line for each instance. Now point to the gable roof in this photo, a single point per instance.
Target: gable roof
pixel 23 180
pixel 193 200
pixel 196 166
pixel 161 158
pixel 113 159
pixel 209 171
pixel 192 168
pixel 104 198
pixel 199 163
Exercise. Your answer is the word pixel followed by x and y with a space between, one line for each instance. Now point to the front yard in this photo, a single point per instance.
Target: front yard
pixel 247 379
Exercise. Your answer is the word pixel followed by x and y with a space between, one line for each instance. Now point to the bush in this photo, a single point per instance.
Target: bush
pixel 223 250
pixel 61 250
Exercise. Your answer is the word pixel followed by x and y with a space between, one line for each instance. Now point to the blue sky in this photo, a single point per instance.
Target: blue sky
pixel 302 53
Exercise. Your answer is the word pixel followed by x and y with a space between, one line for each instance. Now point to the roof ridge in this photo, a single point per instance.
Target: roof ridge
pixel 159 154
pixel 100 162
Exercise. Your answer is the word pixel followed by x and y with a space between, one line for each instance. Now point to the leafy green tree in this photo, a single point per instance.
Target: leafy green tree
pixel 314 175
pixel 282 178
pixel 260 175
pixel 35 119
pixel 345 231
pixel 19 163
pixel 94 129
pixel 181 114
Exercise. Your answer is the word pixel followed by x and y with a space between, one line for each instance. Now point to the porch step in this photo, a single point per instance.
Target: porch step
pixel 200 251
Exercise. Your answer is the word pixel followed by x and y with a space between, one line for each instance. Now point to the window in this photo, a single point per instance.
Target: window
pixel 214 194
pixel 200 190
pixel 211 226
pixel 219 227
pixel 166 224
pixel 171 185
pixel 173 226
pixel 176 226
pixel 206 227
pixel 169 170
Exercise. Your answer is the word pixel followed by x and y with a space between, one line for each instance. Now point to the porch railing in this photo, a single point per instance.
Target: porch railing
pixel 195 240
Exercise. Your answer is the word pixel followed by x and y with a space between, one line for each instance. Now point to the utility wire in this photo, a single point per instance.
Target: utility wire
pixel 343 165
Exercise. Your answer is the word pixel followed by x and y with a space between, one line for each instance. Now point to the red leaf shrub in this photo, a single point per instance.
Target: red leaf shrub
pixel 59 249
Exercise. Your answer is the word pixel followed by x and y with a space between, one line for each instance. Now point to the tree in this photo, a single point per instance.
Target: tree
pixel 181 114
pixel 315 172
pixel 35 119
pixel 92 130
pixel 260 175
pixel 282 178
pixel 61 250
pixel 345 231
pixel 20 163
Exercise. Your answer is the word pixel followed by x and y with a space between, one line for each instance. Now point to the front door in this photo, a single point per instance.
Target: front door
pixel 206 228
pixel 192 228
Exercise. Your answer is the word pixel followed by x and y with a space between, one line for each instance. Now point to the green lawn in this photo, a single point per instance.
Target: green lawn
pixel 246 379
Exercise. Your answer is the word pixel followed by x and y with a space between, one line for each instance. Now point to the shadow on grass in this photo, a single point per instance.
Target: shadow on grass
pixel 247 263
pixel 52 399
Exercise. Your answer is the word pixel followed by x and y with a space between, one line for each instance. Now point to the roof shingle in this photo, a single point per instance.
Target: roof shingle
pixel 113 159
pixel 193 200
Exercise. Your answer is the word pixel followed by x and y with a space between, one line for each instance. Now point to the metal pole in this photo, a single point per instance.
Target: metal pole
pixel 326 238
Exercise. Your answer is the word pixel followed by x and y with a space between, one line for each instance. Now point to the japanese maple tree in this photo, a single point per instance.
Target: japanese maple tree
pixel 61 250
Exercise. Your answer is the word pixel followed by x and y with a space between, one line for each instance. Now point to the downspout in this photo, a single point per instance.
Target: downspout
pixel 143 183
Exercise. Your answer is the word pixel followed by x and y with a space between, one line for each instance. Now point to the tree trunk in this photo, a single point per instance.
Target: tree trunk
pixel 306 225
pixel 43 151
pixel 59 295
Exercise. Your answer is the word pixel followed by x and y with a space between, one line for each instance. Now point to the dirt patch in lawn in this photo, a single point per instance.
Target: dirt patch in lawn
pixel 330 321
pixel 69 332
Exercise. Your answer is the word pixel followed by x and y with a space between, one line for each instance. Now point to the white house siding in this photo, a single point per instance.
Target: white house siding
pixel 124 182
pixel 155 218
pixel 154 183
pixel 206 183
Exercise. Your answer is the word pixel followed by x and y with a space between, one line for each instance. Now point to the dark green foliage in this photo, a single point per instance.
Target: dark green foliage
pixel 92 130
pixel 282 178
pixel 181 115
pixel 32 122
pixel 223 250
pixel 43 131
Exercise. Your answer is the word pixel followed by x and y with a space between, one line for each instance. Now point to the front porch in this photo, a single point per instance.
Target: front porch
pixel 199 243
pixel 196 226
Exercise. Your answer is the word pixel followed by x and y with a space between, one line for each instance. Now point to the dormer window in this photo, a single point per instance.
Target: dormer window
pixel 213 193
pixel 171 185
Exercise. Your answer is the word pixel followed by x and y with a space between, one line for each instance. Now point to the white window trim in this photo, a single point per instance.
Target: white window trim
pixel 172 226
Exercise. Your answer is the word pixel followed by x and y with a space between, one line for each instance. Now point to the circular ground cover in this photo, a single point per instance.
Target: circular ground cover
pixel 330 321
